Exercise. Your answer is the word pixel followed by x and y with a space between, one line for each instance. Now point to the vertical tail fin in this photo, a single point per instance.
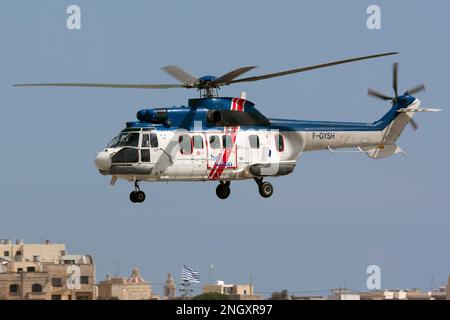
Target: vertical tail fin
pixel 393 131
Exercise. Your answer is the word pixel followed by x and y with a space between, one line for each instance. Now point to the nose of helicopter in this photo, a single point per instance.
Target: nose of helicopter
pixel 103 160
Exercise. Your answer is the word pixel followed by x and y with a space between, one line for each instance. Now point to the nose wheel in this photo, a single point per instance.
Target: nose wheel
pixel 223 190
pixel 265 188
pixel 137 196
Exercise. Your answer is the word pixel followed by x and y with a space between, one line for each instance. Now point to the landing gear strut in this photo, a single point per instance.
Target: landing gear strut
pixel 265 188
pixel 223 190
pixel 137 196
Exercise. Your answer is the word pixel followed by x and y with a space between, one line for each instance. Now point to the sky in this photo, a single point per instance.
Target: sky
pixel 326 223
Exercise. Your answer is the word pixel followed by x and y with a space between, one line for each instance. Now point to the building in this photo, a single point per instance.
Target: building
pixel 344 294
pixel 448 288
pixel 235 291
pixel 170 289
pixel 133 288
pixel 407 294
pixel 44 272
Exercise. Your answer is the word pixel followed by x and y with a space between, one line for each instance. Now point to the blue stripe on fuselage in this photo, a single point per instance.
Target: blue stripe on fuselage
pixel 305 125
pixel 186 120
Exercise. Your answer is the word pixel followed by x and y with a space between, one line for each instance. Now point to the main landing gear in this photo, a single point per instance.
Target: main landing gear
pixel 265 189
pixel 137 196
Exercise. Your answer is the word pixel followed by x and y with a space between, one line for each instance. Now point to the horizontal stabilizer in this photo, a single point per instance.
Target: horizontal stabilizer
pixel 382 151
pixel 419 110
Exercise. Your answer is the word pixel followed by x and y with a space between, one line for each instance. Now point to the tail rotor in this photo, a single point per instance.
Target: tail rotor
pixel 394 99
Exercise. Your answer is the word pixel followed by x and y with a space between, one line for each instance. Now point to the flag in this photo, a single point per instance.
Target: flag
pixel 189 274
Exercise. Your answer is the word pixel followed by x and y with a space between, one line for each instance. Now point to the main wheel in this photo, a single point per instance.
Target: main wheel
pixel 223 191
pixel 266 189
pixel 140 196
pixel 133 197
pixel 137 196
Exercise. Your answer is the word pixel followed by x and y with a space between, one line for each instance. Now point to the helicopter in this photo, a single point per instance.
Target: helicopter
pixel 226 139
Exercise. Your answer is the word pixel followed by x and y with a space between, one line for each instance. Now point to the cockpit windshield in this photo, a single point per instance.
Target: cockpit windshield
pixel 128 139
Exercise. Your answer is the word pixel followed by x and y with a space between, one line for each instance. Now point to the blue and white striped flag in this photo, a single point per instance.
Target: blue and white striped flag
pixel 189 274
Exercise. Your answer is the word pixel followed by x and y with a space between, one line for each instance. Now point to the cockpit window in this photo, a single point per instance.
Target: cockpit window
pixel 145 141
pixel 153 140
pixel 129 139
pixel 126 155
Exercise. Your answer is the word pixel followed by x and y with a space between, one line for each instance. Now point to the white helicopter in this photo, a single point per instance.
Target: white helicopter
pixel 225 139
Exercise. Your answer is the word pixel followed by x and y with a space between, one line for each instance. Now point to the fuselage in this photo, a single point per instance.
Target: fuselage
pixel 228 139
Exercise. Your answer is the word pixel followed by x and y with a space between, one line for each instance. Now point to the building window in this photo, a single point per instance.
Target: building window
pixel 198 142
pixel 36 288
pixel 56 297
pixel 14 288
pixel 227 141
pixel 57 282
pixel 153 140
pixel 6 254
pixel 18 253
pixel 279 142
pixel 214 142
pixel 84 280
pixel 31 269
pixel 19 270
pixel 185 144
pixel 254 141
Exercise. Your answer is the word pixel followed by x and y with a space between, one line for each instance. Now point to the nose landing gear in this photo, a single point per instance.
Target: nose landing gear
pixel 137 196
pixel 223 190
pixel 265 188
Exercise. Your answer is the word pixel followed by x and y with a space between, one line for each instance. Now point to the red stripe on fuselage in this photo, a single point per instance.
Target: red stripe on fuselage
pixel 222 159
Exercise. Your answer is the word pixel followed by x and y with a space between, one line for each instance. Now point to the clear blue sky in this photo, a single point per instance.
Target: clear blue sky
pixel 325 224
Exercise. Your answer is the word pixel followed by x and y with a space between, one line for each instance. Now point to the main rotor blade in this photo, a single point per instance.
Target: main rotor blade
pixel 414 124
pixel 329 64
pixel 416 89
pixel 378 95
pixel 102 85
pixel 181 75
pixel 228 77
pixel 395 78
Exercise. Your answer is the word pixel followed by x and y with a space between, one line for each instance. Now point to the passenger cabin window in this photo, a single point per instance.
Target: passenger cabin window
pixel 185 143
pixel 279 142
pixel 227 141
pixel 254 141
pixel 198 142
pixel 214 142
pixel 153 140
